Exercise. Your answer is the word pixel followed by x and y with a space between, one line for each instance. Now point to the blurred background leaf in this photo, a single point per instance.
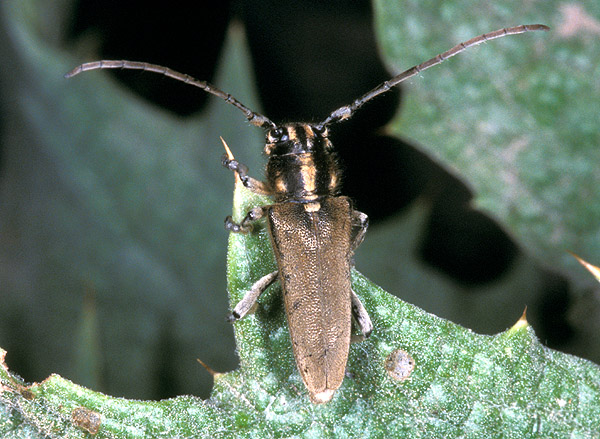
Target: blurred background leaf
pixel 103 192
pixel 528 106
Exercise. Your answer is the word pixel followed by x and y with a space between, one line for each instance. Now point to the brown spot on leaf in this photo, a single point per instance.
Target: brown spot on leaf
pixel 86 419
pixel 399 365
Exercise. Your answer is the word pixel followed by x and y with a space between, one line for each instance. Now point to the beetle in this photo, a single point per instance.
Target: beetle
pixel 313 229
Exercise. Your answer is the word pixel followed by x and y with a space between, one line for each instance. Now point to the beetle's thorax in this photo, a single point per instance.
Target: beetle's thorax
pixel 302 165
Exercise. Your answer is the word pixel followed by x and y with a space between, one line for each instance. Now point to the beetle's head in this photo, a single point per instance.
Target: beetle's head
pixel 297 138
pixel 302 165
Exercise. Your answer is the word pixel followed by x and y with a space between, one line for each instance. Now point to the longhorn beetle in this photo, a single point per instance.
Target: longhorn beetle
pixel 314 230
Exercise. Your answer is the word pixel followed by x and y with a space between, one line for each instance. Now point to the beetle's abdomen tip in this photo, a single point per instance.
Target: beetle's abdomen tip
pixel 322 397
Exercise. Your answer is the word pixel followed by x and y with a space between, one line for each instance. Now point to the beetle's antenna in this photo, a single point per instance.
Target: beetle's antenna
pixel 347 111
pixel 253 117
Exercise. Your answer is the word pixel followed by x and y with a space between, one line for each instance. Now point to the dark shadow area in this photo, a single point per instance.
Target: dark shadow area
pixel 184 36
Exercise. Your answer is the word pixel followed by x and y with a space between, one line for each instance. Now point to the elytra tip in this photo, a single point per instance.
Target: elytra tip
pixel 322 397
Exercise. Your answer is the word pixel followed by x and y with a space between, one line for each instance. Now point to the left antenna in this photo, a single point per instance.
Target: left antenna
pixel 253 117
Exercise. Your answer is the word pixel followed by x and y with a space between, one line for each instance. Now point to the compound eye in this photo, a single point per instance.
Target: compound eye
pixel 277 135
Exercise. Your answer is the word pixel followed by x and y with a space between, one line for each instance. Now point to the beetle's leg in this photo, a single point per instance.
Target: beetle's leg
pixel 361 318
pixel 256 186
pixel 229 161
pixel 360 222
pixel 245 225
pixel 248 302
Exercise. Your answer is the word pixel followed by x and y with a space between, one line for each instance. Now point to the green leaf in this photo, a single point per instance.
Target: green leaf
pixel 517 118
pixel 462 383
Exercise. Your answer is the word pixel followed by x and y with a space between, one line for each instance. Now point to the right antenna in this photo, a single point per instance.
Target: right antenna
pixel 347 111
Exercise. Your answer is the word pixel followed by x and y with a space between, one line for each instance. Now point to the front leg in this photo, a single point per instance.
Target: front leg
pixel 245 225
pixel 254 185
pixel 229 161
